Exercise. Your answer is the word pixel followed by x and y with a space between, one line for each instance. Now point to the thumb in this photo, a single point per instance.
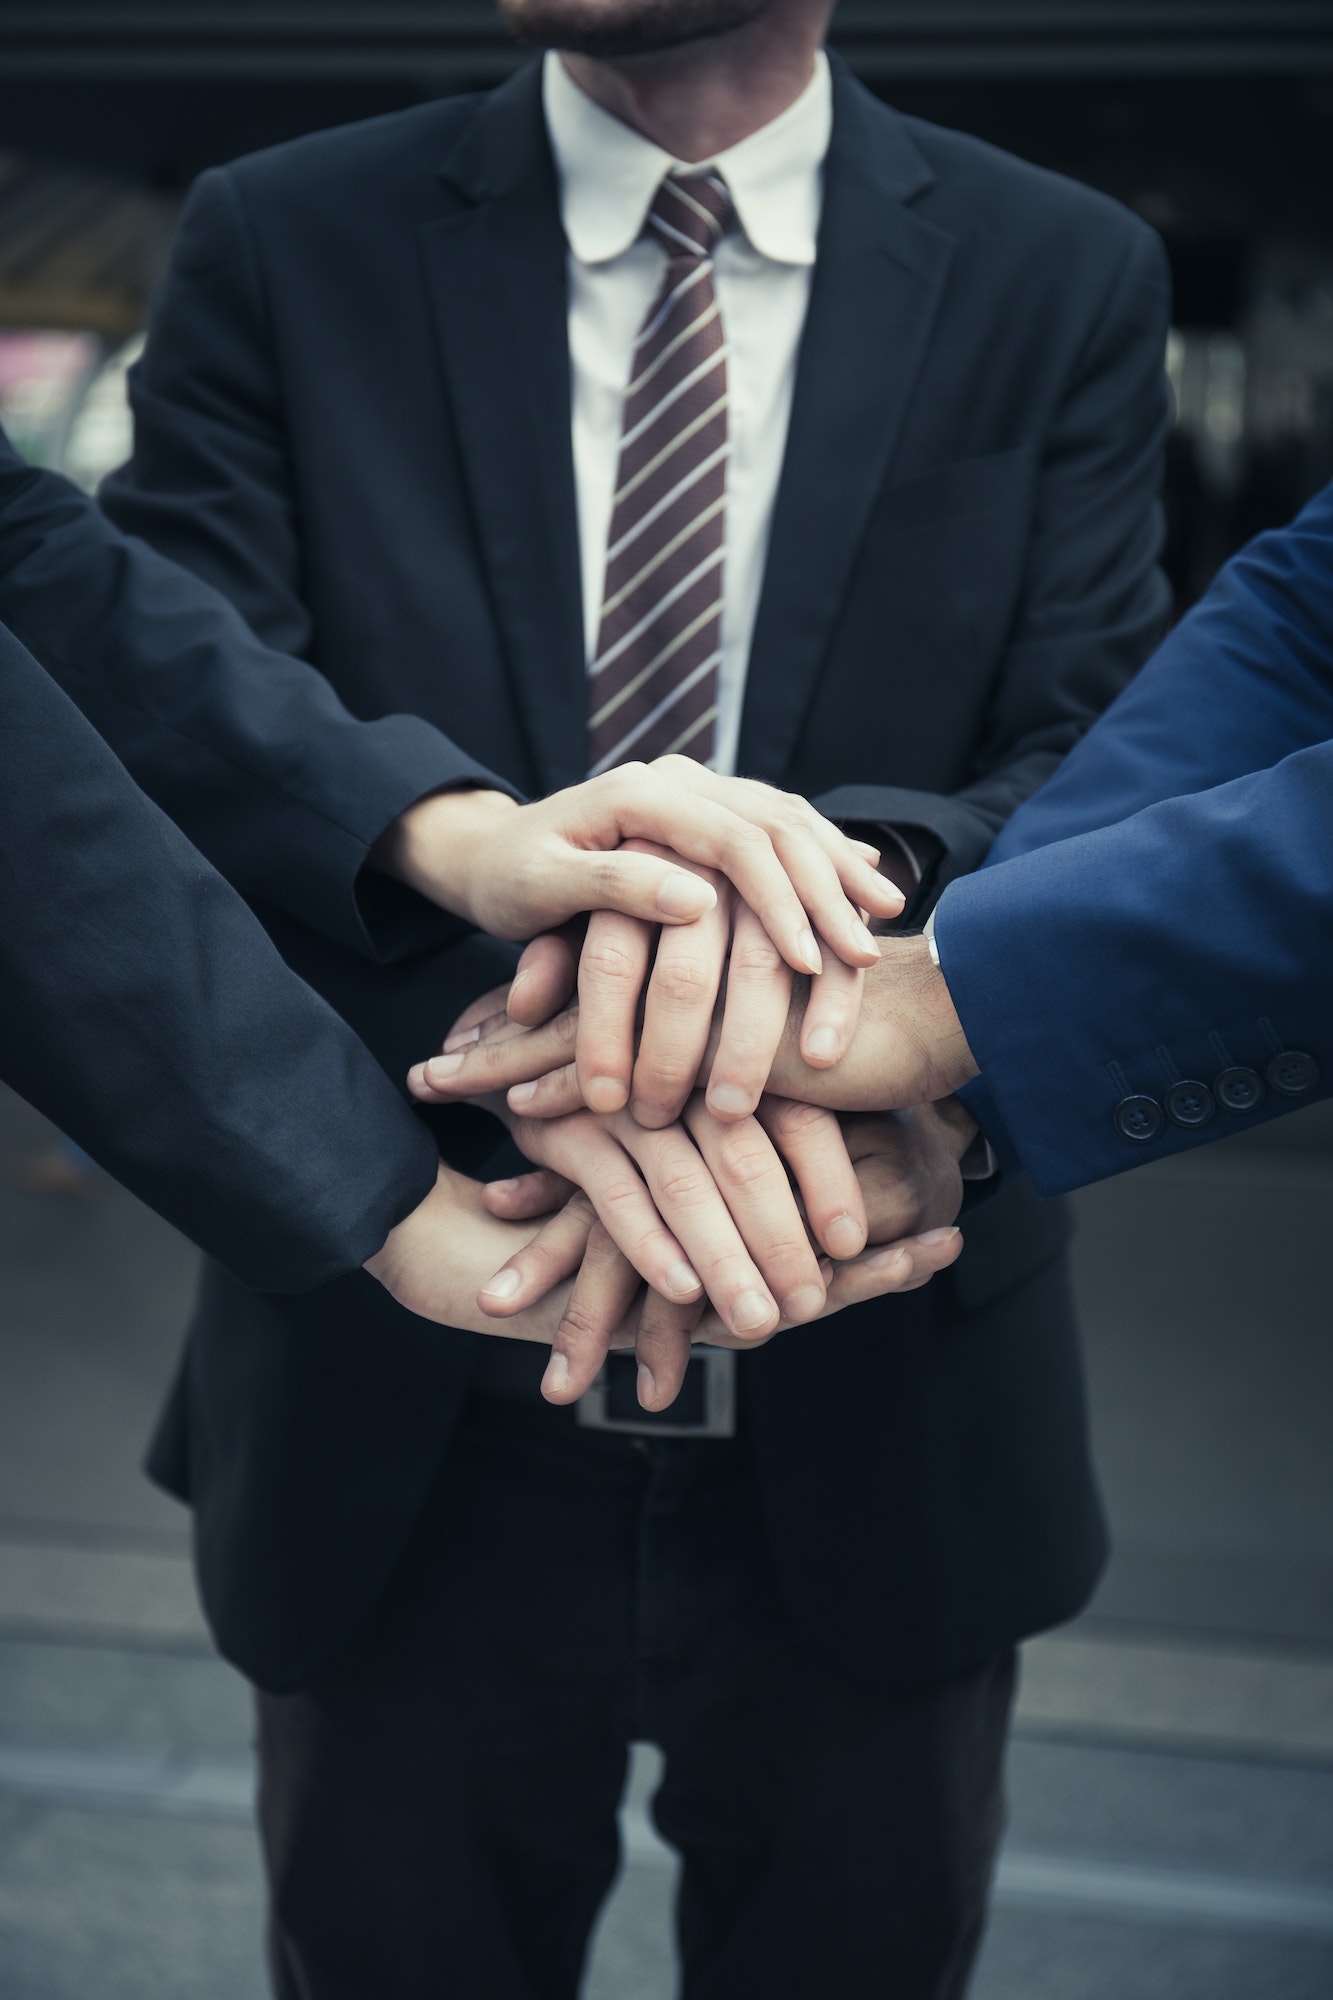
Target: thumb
pixel 642 885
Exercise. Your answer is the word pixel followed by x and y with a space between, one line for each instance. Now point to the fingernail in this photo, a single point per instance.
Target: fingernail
pixel 803 1303
pixel 440 1068
pixel 808 952
pixel 821 1046
pixel 935 1236
pixel 651 1116
pixel 555 1381
pixel 685 896
pixel 502 1187
pixel 460 1041
pixel 845 1236
pixel 503 1285
pixel 886 1260
pixel 728 1100
pixel 683 1281
pixel 647 1386
pixel 751 1311
pixel 521 1094
pixel 867 852
pixel 605 1093
pixel 862 937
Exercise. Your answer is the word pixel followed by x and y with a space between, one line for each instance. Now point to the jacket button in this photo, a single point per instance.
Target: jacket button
pixel 1293 1073
pixel 1238 1089
pixel 1139 1119
pixel 1189 1103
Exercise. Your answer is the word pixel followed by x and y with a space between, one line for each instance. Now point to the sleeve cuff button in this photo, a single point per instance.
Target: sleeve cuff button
pixel 1239 1089
pixel 1293 1072
pixel 1189 1103
pixel 1138 1119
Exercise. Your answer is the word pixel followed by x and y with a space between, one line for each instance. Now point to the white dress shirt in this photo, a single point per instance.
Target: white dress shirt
pixel 608 176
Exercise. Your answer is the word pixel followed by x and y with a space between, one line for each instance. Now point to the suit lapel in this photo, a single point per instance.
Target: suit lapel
pixel 877 285
pixel 496 270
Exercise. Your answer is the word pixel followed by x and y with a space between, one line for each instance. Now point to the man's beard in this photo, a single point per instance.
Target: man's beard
pixel 624 27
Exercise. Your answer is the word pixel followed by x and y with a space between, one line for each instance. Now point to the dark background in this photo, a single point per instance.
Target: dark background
pixel 1212 118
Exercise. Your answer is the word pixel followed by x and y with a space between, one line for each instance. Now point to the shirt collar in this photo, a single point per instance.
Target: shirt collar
pixel 609 173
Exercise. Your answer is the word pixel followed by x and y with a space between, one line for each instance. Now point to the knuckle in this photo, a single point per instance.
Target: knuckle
pixel 686 1186
pixel 618 1195
pixel 756 957
pixel 609 960
pixel 793 1122
pixel 683 982
pixel 744 1158
pixel 580 1324
pixel 606 878
pixel 790 812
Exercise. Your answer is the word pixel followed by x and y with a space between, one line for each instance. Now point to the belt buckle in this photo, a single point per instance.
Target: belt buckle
pixel 716 1375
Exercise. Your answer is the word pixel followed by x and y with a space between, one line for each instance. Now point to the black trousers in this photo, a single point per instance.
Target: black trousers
pixel 438 1814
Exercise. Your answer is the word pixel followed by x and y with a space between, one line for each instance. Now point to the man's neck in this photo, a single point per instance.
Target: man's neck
pixel 697 100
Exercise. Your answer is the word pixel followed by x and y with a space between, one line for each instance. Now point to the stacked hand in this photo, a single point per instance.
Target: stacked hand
pixel 663 1110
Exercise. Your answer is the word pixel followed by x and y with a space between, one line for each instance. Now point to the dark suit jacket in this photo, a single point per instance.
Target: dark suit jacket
pixel 353 416
pixel 143 1008
pixel 1162 914
pixel 251 752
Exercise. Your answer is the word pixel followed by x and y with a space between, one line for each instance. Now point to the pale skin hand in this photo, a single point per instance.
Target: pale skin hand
pixel 909 1048
pixel 645 1016
pixel 434 1261
pixel 517 870
pixel 705 1208
pixel 892 1178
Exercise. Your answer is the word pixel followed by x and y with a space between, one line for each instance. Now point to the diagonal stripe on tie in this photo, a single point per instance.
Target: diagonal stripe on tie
pixel 654 681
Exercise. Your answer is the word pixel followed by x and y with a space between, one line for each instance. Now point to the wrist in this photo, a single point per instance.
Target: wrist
pixel 412 1262
pixel 923 1008
pixel 442 847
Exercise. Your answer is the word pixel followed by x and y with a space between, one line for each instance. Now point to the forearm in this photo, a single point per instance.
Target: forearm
pixel 1186 946
pixel 145 1011
pixel 249 751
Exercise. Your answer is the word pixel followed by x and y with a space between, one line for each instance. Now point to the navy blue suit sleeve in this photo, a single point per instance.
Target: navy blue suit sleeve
pixel 1164 910
pixel 143 1008
pixel 250 751
pixel 1093 601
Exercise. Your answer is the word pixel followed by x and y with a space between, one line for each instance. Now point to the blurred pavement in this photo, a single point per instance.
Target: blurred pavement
pixel 1172 1772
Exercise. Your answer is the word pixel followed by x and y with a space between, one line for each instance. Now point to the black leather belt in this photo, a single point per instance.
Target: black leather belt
pixel 512 1370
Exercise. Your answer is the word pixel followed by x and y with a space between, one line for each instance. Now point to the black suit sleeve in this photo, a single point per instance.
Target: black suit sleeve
pixel 1093 602
pixel 249 751
pixel 143 1008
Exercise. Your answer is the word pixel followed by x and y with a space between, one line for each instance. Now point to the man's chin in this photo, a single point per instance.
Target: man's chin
pixel 624 27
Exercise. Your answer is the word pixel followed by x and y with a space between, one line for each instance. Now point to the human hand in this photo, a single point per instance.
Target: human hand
pixel 435 1260
pixel 908 1048
pixel 903 1177
pixel 517 870
pixel 705 1208
pixel 726 950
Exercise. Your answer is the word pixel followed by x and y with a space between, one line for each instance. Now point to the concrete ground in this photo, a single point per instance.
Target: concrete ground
pixel 1172 1769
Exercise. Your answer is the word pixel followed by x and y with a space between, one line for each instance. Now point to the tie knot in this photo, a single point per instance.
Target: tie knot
pixel 690 212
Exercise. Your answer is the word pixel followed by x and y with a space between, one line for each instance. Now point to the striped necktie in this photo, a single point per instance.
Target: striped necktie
pixel 654 681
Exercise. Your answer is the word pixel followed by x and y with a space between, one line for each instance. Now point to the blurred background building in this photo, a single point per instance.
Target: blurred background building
pixel 1212 118
pixel 1173 1766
